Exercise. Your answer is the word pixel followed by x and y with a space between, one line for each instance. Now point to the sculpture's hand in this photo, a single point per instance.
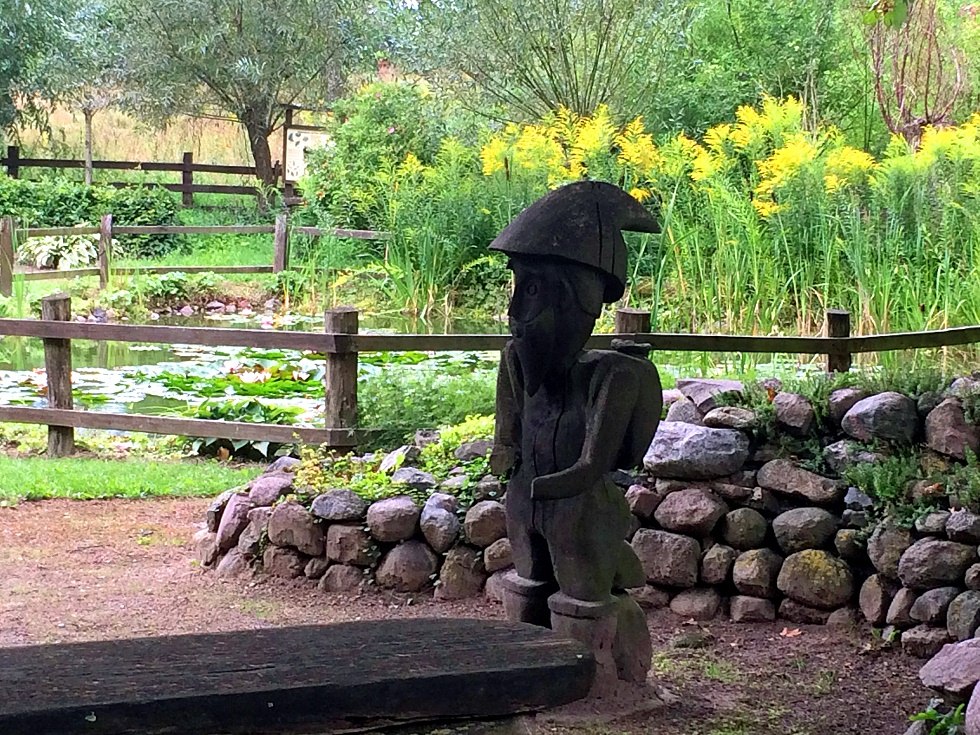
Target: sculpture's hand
pixel 558 485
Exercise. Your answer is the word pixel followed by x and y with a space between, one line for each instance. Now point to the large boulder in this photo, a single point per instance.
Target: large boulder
pixel 817 579
pixel 699 603
pixel 462 574
pixel 695 452
pixel 948 432
pixel 267 489
pixel 341 579
pixel 842 400
pixel 744 529
pixel 716 564
pixel 684 411
pixel 730 417
pixel 234 519
pixel 693 511
pixel 258 523
pixel 745 609
pixel 886 545
pixel 339 505
pixel 498 555
pixel 283 562
pixel 963 615
pixel 794 414
pixel 963 526
pixel 875 598
pixel 393 519
pixel 644 501
pixel 409 567
pixel 667 558
pixel 755 572
pixel 804 528
pixel 932 563
pixel 954 671
pixel 350 544
pixel 292 525
pixel 707 393
pixel 924 641
pixel 485 522
pixel 785 477
pixel 440 525
pixel 931 606
pixel 845 453
pixel 889 416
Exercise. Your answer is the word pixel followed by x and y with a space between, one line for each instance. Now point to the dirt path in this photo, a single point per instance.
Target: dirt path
pixel 74 571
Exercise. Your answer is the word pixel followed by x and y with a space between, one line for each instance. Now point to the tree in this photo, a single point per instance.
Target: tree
pixel 536 55
pixel 88 75
pixel 28 32
pixel 245 58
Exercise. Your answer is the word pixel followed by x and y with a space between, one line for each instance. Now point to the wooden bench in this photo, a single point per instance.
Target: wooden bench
pixel 307 679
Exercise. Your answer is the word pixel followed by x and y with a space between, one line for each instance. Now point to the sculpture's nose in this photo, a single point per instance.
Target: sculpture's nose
pixel 516 328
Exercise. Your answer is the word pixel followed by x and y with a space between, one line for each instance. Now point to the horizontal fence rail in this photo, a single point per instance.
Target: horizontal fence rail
pixel 107 230
pixel 340 343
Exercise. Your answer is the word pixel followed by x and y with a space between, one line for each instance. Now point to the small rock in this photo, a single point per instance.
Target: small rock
pixel 963 615
pixel 692 511
pixel 454 484
pixel 889 416
pixel 469 451
pixel 932 523
pixel 924 641
pixel 462 575
pixel 716 564
pixel 258 523
pixel 886 546
pixel 671 396
pixel 927 402
pixel 485 522
pixel 695 452
pixel 972 577
pixel 233 521
pixel 746 609
pixel 804 528
pixel 841 455
pixel 339 505
pixel 393 519
pixel 755 572
pixel 854 519
pixel 731 493
pixel 213 306
pixel 282 562
pixel 744 528
pixel 292 525
pixel 842 400
pixel 699 603
pixel 440 527
pixel 898 612
pixel 488 488
pixel 349 544
pixel 744 478
pixel 425 437
pixel 650 597
pixel 413 478
pixel 409 567
pixel 932 563
pixel 234 564
pixel 817 579
pixel 685 412
pixel 931 606
pixel 498 555
pixel 856 500
pixel 667 558
pixel 494 589
pixel 783 476
pixel 844 619
pixel 764 501
pixel 706 393
pixel 205 547
pixel 404 455
pixel 316 567
pixel 643 501
pixel 794 414
pixel 875 598
pixel 849 545
pixel 954 671
pixel 964 527
pixel 341 579
pixel 796 612
pixel 216 508
pixel 283 464
pixel 949 433
pixel 186 311
pixel 730 417
pixel 620 478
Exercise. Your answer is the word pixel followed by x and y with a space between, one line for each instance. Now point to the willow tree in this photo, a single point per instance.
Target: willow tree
pixel 245 59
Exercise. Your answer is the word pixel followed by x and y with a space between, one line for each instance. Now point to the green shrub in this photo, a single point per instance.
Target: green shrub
pixel 252 411
pixel 887 483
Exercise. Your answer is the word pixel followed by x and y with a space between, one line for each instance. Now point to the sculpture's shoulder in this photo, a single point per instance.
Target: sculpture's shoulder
pixel 613 363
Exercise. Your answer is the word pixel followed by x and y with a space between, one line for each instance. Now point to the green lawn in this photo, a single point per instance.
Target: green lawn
pixel 37 478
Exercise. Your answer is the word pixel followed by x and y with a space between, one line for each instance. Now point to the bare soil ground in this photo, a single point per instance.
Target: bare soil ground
pixel 75 571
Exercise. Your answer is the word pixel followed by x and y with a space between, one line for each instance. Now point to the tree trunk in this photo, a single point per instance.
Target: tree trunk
pixel 89 114
pixel 258 131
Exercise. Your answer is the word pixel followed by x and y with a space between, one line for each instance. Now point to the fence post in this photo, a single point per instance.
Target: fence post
pixel 187 180
pixel 57 366
pixel 105 249
pixel 7 256
pixel 340 380
pixel 280 241
pixel 632 321
pixel 838 325
pixel 13 161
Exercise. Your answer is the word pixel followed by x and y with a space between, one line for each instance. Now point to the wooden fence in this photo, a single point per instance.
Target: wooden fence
pixel 107 230
pixel 186 168
pixel 340 343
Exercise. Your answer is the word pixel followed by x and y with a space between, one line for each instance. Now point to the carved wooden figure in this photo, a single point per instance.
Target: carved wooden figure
pixel 566 417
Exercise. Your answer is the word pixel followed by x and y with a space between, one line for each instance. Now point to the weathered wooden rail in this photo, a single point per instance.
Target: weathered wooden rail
pixel 281 232
pixel 340 343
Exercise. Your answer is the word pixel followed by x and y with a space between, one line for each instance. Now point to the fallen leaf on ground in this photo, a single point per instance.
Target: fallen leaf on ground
pixel 790 632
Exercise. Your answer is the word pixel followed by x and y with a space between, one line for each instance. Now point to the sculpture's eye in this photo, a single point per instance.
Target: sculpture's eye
pixel 531 289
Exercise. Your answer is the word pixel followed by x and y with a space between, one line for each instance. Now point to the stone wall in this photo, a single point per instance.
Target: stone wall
pixel 730 518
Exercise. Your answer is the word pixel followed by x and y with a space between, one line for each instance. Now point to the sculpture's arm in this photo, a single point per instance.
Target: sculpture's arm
pixel 613 401
pixel 507 425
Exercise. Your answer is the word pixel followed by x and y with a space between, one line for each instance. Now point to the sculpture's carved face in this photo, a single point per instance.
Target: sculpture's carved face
pixel 552 313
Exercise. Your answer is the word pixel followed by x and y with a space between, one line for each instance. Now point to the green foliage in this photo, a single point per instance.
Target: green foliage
pixel 164 288
pixel 963 483
pixel 951 722
pixel 66 252
pixel 887 483
pixel 251 411
pixel 62 203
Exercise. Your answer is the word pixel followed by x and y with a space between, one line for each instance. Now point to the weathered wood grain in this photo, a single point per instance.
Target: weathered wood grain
pixel 290 680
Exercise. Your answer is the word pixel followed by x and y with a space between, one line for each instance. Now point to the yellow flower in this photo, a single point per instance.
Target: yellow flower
pixel 704 166
pixel 765 208
pixel 637 149
pixel 595 134
pixel 492 155
pixel 717 136
pixel 640 195
pixel 832 182
pixel 846 165
pixel 411 165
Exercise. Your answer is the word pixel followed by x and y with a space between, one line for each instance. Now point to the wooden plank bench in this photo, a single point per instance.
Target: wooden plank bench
pixel 306 679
